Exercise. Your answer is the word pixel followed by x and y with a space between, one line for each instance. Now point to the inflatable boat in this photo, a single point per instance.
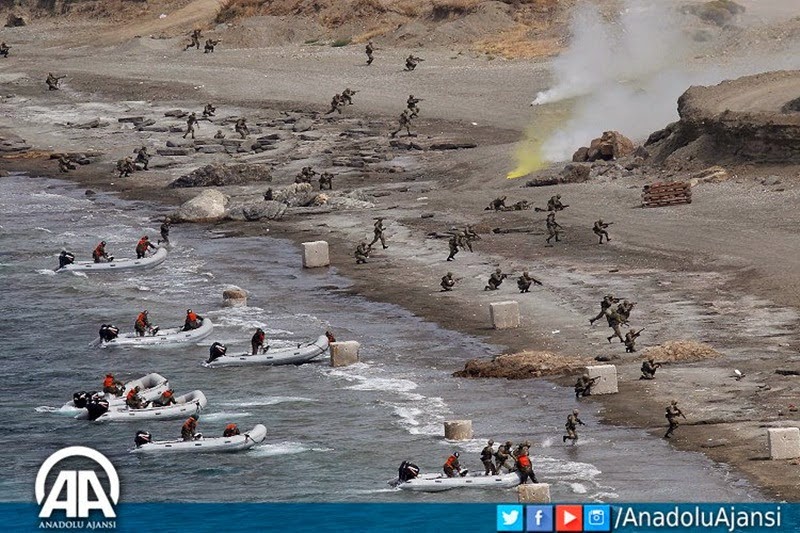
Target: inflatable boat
pixel 162 337
pixel 151 386
pixel 117 264
pixel 440 482
pixel 303 353
pixel 184 406
pixel 236 443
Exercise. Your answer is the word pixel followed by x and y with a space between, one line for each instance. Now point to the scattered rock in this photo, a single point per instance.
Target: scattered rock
pixel 96 123
pixel 14 21
pixel 771 181
pixel 575 173
pixel 452 145
pixel 675 351
pixel 145 124
pixel 304 124
pixel 177 113
pixel 131 120
pixel 523 365
pixel 211 148
pixel 611 145
pixel 257 210
pixel 581 155
pixel 295 195
pixel 311 136
pixel 715 174
pixel 208 206
pixel 218 175
pixel 89 192
pixel 180 144
pixel 174 151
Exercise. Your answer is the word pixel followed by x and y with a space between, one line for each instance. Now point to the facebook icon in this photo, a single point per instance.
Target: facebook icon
pixel 539 518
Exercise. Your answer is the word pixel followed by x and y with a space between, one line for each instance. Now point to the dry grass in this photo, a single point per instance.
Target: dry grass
pixel 681 351
pixel 516 44
pixel 375 32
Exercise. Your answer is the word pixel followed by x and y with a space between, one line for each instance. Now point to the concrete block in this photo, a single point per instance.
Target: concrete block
pixel 315 254
pixel 234 297
pixel 174 151
pixel 344 353
pixel 505 315
pixel 607 384
pixel 458 429
pixel 784 443
pixel 533 493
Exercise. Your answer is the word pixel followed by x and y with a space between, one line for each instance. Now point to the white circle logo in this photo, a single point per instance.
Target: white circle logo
pixel 78 483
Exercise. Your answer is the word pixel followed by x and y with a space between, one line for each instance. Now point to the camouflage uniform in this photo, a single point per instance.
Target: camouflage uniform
pixel 552 227
pixel 605 305
pixel 142 157
pixel 572 427
pixel 412 61
pixel 347 96
pixel 495 280
pixel 599 229
pixel 65 165
pixel 362 253
pixel 219 135
pixel 378 232
pixel 498 204
pixel 4 48
pixel 241 128
pixel 630 340
pixel 672 414
pixel 326 181
pixel 369 50
pixel 453 244
pixel 411 104
pixel 404 121
pixel 191 123
pixel 554 203
pixel 525 281
pixel 448 282
pixel 486 458
pixel 52 81
pixel 195 40
pixel 209 110
pixel 125 167
pixel 583 387
pixel 165 226
pixel 649 368
pixel 336 104
pixel 210 44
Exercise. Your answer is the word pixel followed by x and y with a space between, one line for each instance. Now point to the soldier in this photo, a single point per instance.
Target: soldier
pixel 337 102
pixel 241 127
pixel 142 157
pixel 605 305
pixel 195 40
pixel 4 48
pixel 599 229
pixel 65 165
pixel 451 467
pixel 572 427
pixel 268 195
pixel 448 282
pixel 672 414
pixel 583 387
pixel 554 203
pixel 412 61
pixel 362 253
pixel 347 96
pixel 486 458
pixel 525 281
pixel 377 230
pixel 404 121
pixel 52 81
pixel 495 280
pixel 210 44
pixel 522 446
pixel 525 468
pixel 522 205
pixel 305 176
pixel 219 135
pixel 369 50
pixel 191 124
pixel 618 317
pixel 649 367
pixel 552 227
pixel 453 244
pixel 326 181
pixel 125 167
pixel 501 457
pixel 411 103
pixel 165 227
pixel 630 340
pixel 209 110
pixel 498 204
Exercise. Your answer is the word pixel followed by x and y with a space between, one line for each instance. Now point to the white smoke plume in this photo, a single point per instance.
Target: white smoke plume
pixel 626 74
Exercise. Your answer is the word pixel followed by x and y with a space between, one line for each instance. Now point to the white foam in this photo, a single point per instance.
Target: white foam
pixel 283 448
pixel 46 272
pixel 578 488
pixel 43 229
pixel 224 415
pixel 270 400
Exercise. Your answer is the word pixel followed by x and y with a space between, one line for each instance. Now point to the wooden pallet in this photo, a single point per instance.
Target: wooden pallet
pixel 664 194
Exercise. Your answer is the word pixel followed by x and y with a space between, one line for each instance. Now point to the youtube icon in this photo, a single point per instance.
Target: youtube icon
pixel 569 518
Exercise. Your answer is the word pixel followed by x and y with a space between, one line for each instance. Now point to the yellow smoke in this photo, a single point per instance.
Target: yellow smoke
pixel 528 155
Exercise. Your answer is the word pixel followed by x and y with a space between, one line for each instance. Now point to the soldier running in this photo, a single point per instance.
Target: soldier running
pixel 369 50
pixel 572 427
pixel 448 282
pixel 53 81
pixel 649 367
pixel 362 253
pixel 195 40
pixel 411 104
pixel 347 96
pixel 453 244
pixel 486 458
pixel 404 121
pixel 552 227
pixel 554 203
pixel 599 229
pixel 4 48
pixel 672 414
pixel 125 167
pixel 412 61
pixel 378 230
pixel 619 317
pixel 525 281
pixel 241 128
pixel 495 280
pixel 336 104
pixel 191 124
pixel 210 45
pixel 605 305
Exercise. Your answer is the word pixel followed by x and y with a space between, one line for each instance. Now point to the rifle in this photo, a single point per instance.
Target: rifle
pixel 635 335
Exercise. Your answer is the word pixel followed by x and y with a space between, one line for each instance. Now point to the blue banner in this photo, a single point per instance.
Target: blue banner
pixel 415 518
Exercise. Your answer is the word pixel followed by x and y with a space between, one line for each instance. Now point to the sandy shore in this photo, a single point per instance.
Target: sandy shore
pixel 724 270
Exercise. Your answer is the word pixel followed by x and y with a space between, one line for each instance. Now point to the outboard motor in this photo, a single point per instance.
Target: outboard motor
pixel 97 408
pixel 142 437
pixel 216 351
pixel 81 399
pixel 65 258
pixel 108 332
pixel 407 471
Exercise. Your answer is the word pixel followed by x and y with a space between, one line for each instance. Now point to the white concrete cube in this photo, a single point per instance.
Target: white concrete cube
pixel 533 493
pixel 458 429
pixel 784 443
pixel 607 384
pixel 505 315
pixel 315 254
pixel 344 353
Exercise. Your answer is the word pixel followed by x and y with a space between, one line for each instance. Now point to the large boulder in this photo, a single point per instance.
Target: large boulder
pixel 717 12
pixel 296 195
pixel 611 145
pixel 257 210
pixel 208 206
pixel 218 175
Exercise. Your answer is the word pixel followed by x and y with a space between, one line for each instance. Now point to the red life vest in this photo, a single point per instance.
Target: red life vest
pixel 142 245
pixel 191 317
pixel 100 251
pixel 451 461
pixel 141 319
pixel 131 394
pixel 230 430
pixel 109 381
pixel 190 424
pixel 524 461
pixel 166 394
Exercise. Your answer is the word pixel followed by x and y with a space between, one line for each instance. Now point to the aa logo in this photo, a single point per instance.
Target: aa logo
pixel 83 489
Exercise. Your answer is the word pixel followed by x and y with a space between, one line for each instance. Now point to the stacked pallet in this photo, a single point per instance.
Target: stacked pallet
pixel 661 194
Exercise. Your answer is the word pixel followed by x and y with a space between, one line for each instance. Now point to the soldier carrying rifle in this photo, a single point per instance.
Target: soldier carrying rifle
pixel 583 387
pixel 630 340
pixel 599 229
pixel 649 368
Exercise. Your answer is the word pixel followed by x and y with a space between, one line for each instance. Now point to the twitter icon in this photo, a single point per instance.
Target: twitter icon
pixel 509 518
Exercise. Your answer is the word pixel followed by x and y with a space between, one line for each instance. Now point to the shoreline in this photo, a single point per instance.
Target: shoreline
pixel 725 425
